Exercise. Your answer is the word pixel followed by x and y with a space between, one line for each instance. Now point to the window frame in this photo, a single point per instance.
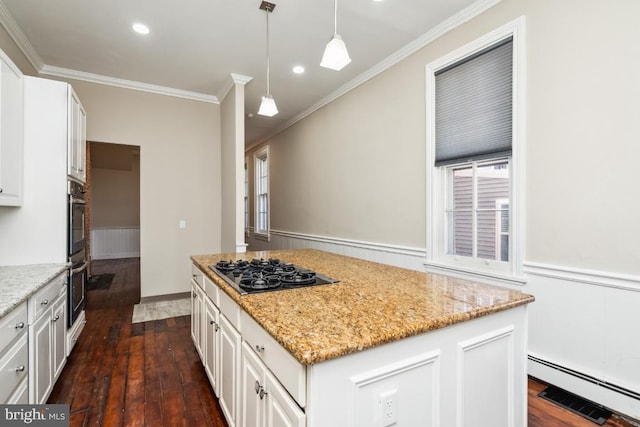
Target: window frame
pixel 437 260
pixel 246 215
pixel 260 156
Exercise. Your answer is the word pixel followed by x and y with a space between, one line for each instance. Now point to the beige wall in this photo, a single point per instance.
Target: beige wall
pixel 179 143
pixel 355 168
pixel 115 186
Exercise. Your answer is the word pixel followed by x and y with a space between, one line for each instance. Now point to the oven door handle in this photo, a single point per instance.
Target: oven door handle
pixel 78 201
pixel 79 269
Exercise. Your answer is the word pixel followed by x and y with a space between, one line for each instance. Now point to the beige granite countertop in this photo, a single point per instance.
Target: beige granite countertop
pixel 19 282
pixel 372 305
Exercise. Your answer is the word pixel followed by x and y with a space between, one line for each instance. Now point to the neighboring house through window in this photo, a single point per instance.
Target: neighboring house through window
pixel 474 157
pixel 262 192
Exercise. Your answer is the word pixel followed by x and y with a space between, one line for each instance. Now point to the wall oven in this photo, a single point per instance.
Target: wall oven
pixel 76 251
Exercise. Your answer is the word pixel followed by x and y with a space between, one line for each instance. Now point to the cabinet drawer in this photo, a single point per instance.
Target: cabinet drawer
pixel 290 372
pixel 14 368
pixel 197 275
pixel 230 309
pixel 12 325
pixel 212 291
pixel 43 299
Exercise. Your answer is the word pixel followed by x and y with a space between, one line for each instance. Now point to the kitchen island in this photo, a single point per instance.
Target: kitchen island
pixel 385 346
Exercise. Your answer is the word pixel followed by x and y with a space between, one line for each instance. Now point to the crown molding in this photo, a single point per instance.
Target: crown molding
pixel 444 27
pixel 66 73
pixel 234 79
pixel 19 38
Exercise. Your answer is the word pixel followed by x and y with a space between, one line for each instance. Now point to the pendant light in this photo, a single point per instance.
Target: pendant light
pixel 335 55
pixel 268 105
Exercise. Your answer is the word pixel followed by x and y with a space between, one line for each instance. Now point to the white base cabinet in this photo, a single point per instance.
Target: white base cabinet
pixel 265 403
pixel 14 356
pixel 470 374
pixel 211 343
pixel 47 338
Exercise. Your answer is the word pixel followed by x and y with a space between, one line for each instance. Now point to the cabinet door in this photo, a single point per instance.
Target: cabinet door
pixel 229 379
pixel 252 379
pixel 11 137
pixel 41 359
pixel 211 346
pixel 58 334
pixel 77 138
pixel 281 409
pixel 196 317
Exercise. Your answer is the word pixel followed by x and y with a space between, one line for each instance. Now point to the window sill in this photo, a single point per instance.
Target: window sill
pixel 475 275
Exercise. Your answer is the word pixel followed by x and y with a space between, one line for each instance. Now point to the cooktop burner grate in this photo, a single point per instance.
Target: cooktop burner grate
pixel 260 275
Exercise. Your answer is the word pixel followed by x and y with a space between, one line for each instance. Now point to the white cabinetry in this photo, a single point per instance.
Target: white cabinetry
pixel 77 145
pixel 11 137
pixel 47 337
pixel 197 295
pixel 14 357
pixel 265 403
pixel 230 342
pixel 211 343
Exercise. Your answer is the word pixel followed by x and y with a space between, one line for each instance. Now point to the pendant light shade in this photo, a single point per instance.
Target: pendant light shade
pixel 268 105
pixel 336 56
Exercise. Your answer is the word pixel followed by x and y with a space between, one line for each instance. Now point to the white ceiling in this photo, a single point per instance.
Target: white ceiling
pixel 195 45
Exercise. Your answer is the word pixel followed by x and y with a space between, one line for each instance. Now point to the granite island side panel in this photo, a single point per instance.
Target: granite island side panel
pixel 373 303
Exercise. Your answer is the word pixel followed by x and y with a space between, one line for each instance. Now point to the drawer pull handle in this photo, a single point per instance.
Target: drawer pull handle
pixel 262 393
pixel 55 319
pixel 211 322
pixel 258 387
pixel 260 348
pixel 19 325
pixel 217 327
pixel 20 368
pixel 45 302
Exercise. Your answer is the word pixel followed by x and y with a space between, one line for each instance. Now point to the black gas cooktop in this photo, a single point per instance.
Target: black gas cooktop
pixel 260 275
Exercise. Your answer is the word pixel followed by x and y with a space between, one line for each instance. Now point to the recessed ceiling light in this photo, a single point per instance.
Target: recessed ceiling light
pixel 298 69
pixel 140 28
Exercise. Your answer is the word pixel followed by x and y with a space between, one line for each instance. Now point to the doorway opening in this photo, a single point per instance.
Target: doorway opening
pixel 113 215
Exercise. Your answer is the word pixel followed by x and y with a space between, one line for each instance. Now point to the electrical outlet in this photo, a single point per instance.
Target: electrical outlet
pixel 389 407
pixel 182 223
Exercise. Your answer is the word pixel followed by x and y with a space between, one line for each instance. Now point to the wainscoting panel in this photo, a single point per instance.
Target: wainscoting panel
pixel 111 243
pixel 400 256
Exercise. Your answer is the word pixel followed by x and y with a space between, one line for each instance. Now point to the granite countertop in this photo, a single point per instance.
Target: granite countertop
pixel 19 282
pixel 373 304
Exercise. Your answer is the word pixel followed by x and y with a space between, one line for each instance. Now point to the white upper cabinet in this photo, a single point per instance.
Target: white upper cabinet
pixel 11 125
pixel 77 147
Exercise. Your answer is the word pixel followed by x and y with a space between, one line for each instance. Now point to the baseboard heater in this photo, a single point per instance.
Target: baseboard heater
pixel 610 386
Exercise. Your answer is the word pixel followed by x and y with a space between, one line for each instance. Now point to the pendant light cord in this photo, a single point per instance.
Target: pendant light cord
pixel 268 90
pixel 335 17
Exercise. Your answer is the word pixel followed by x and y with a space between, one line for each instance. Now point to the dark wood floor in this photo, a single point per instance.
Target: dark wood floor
pixel 149 374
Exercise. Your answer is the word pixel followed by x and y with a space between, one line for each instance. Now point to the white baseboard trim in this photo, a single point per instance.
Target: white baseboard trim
pixel 592 277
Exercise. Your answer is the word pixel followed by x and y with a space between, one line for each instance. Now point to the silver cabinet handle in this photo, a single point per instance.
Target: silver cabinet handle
pixel 45 302
pixel 262 393
pixel 194 295
pixel 260 348
pixel 217 327
pixel 19 325
pixel 211 322
pixel 55 319
pixel 258 387
pixel 20 368
pixel 1 190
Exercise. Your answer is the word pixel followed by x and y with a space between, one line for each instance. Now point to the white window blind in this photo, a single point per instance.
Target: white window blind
pixel 473 106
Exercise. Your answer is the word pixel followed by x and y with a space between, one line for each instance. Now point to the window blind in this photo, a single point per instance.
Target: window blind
pixel 474 106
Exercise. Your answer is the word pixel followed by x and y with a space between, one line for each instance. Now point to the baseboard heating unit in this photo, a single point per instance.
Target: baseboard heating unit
pixel 599 382
pixel 576 404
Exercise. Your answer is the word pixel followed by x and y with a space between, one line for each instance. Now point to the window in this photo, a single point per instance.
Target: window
pixel 474 148
pixel 246 195
pixel 262 192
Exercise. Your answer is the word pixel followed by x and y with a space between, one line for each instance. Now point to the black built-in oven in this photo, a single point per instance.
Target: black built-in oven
pixel 76 251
